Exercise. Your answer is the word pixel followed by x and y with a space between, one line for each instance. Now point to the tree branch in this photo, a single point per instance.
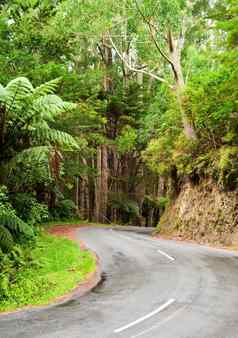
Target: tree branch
pixel 152 34
pixel 138 70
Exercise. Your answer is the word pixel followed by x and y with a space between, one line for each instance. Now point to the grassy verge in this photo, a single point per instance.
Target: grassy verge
pixel 61 265
pixel 75 222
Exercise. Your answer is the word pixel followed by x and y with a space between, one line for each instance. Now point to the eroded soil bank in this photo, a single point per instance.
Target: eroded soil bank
pixel 203 213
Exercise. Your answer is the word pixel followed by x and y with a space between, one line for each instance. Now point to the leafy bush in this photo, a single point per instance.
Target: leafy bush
pixel 184 154
pixel 228 166
pixel 126 205
pixel 12 228
pixel 65 209
pixel 127 140
pixel 29 209
pixel 10 264
pixel 158 155
pixel 163 201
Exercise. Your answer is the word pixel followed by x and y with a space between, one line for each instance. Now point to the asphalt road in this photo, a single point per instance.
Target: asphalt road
pixel 151 289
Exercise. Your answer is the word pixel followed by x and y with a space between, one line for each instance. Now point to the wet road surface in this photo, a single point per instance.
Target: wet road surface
pixel 150 289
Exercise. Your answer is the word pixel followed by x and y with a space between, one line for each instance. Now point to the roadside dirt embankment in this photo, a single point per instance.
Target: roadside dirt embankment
pixel 203 213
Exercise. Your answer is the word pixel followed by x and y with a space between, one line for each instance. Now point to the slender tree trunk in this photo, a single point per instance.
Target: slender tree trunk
pixel 104 183
pixel 140 193
pixel 98 185
pixel 77 193
pixel 81 204
pixel 101 192
pixel 175 57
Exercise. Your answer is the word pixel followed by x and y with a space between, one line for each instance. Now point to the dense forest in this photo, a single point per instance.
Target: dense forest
pixel 118 112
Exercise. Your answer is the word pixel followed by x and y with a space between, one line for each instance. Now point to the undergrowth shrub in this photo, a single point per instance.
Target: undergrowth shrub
pixel 10 264
pixel 12 228
pixel 29 209
pixel 65 209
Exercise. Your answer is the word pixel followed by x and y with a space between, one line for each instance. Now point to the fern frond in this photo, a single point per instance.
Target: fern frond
pixel 49 106
pixel 6 239
pixel 20 86
pixel 14 223
pixel 16 92
pixel 33 154
pixel 46 88
pixel 55 137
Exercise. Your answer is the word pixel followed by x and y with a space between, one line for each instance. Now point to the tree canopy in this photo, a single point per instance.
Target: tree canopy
pixel 106 108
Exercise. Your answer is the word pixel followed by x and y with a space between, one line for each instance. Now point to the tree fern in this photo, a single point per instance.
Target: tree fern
pixel 55 137
pixel 28 114
pixel 46 88
pixel 6 239
pixel 37 154
pixel 16 90
pixel 14 223
pixel 49 106
pixel 19 87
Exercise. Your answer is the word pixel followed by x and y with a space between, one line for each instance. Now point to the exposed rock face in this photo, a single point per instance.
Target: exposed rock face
pixel 203 213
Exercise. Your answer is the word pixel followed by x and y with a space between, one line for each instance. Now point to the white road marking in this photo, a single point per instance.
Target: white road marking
pixel 149 315
pixel 159 251
pixel 152 328
pixel 166 255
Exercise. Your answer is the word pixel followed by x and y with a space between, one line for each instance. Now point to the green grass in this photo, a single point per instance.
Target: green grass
pixel 69 222
pixel 76 222
pixel 62 265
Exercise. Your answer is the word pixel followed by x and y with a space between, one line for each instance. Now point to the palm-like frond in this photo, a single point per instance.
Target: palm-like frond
pixel 33 154
pixel 6 239
pixel 13 223
pixel 46 88
pixel 55 137
pixel 28 114
pixel 14 93
pixel 49 106
pixel 17 89
pixel 20 86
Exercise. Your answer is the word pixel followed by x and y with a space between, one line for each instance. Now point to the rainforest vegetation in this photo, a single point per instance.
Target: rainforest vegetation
pixel 106 109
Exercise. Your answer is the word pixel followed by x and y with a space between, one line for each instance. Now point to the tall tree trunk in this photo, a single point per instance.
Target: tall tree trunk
pixel 101 187
pixel 77 193
pixel 139 193
pixel 98 185
pixel 104 183
pixel 175 57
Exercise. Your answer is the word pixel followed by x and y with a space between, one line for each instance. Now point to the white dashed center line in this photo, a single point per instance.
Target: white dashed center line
pixel 166 255
pixel 149 315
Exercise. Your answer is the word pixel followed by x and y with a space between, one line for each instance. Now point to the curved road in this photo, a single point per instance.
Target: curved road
pixel 151 289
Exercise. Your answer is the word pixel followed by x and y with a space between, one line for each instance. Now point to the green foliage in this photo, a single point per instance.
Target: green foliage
pixel 228 166
pixel 11 264
pixel 124 204
pixel 154 202
pixel 29 210
pixel 158 155
pixel 46 142
pixel 126 141
pixel 29 111
pixel 226 13
pixel 12 228
pixel 64 209
pixel 163 201
pixel 184 153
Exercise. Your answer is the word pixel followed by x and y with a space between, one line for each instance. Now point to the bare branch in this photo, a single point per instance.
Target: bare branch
pixel 138 70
